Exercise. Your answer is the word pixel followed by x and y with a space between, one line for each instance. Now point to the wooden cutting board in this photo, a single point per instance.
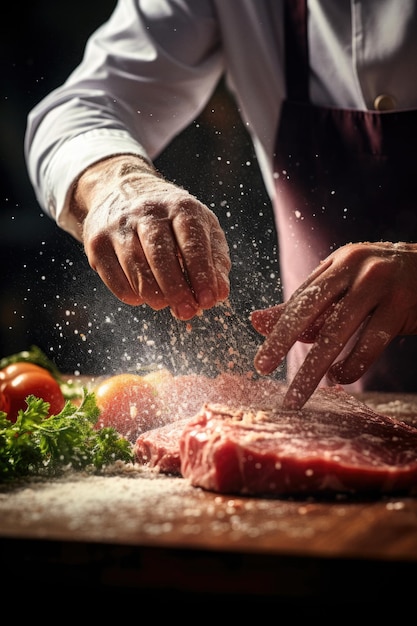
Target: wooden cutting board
pixel 150 509
pixel 278 546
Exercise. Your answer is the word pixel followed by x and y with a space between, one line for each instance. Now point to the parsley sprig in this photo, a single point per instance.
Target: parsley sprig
pixel 48 446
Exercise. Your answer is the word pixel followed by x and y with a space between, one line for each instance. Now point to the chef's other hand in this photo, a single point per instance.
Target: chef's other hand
pixel 150 241
pixel 365 291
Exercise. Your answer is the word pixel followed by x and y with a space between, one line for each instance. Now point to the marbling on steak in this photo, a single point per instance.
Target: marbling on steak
pixel 335 444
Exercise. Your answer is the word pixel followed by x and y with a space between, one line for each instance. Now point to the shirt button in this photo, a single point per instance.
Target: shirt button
pixel 384 102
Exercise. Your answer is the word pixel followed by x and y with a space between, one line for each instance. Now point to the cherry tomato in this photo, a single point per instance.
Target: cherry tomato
pixel 4 403
pixel 40 384
pixel 12 370
pixel 157 378
pixel 128 403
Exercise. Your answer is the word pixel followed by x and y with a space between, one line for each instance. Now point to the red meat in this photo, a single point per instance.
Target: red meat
pixel 335 444
pixel 160 448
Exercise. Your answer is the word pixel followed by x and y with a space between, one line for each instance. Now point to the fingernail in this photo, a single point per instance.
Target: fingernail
pixel 184 311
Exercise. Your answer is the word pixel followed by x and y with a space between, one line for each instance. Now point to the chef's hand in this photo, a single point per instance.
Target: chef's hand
pixel 364 290
pixel 149 240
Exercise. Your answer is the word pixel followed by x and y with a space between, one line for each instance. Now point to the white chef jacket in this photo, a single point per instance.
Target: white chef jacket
pixel 151 68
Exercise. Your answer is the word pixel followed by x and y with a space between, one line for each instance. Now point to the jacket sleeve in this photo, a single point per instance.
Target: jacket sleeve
pixel 145 75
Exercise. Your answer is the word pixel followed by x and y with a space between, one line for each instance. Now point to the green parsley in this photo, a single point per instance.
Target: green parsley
pixel 48 446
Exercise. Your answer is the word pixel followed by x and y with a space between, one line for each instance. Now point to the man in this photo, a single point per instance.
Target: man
pixel 328 93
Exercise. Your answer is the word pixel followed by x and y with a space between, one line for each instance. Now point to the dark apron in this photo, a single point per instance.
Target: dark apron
pixel 342 176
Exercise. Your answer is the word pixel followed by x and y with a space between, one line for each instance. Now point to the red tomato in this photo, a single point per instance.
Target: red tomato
pixel 40 384
pixel 4 403
pixel 158 378
pixel 12 370
pixel 128 403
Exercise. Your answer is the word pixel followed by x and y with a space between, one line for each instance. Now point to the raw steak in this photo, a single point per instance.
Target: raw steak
pixel 335 444
pixel 160 448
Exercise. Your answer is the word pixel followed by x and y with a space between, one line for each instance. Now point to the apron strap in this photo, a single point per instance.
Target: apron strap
pixel 296 50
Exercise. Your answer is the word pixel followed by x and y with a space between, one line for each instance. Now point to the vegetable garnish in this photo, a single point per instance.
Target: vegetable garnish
pixel 37 357
pixel 43 445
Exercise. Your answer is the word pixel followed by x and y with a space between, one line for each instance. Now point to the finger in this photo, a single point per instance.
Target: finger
pixel 264 320
pixel 138 273
pixel 315 365
pixel 300 313
pixel 310 333
pixel 161 252
pixel 346 318
pixel 390 318
pixel 222 265
pixel 108 267
pixel 194 235
pixel 372 340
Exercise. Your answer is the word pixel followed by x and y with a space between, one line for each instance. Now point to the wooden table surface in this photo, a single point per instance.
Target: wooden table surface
pixel 149 533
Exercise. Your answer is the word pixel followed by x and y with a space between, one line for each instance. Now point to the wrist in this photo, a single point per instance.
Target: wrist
pixel 97 178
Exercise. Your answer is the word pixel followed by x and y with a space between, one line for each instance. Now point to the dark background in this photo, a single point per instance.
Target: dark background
pixel 49 295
